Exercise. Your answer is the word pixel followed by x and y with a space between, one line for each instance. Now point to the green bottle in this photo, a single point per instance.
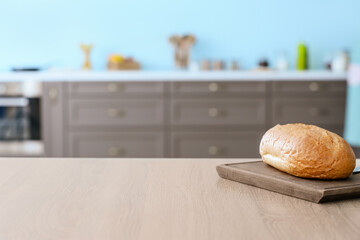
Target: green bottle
pixel 302 62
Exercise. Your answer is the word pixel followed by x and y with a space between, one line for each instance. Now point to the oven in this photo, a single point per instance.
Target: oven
pixel 20 121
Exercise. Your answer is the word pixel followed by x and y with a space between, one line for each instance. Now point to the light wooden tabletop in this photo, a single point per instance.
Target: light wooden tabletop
pixel 155 199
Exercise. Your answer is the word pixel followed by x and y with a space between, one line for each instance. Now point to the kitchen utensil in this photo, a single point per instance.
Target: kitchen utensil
pixel 262 175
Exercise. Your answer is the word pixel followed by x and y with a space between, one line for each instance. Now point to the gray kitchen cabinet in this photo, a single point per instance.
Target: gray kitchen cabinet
pixel 116 113
pixel 321 103
pixel 216 144
pixel 310 111
pixel 116 89
pixel 217 89
pixel 117 144
pixel 53 108
pixel 181 119
pixel 218 112
pixel 309 88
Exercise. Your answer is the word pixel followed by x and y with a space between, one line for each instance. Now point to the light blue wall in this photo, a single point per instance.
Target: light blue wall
pixel 49 31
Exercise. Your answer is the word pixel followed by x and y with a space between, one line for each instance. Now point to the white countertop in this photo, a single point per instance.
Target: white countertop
pixel 65 76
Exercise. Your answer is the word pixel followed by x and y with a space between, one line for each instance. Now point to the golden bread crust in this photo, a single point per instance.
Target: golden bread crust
pixel 307 151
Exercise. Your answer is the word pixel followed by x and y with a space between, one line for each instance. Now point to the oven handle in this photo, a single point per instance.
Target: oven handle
pixel 14 102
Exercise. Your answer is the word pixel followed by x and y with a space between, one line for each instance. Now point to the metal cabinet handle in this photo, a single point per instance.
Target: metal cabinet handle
pixel 53 94
pixel 213 87
pixel 213 150
pixel 114 112
pixel 115 152
pixel 213 112
pixel 314 87
pixel 114 87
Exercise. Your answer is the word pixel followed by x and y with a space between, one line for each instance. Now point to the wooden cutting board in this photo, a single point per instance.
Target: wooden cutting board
pixel 260 174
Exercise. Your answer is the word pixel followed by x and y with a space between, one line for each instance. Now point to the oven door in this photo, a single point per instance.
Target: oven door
pixel 19 119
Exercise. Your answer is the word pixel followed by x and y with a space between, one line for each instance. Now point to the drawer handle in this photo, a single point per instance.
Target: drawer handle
pixel 115 152
pixel 213 150
pixel 114 112
pixel 314 87
pixel 53 94
pixel 213 87
pixel 214 112
pixel 114 87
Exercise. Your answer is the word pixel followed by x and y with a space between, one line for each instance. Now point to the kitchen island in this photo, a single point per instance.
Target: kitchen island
pixel 57 198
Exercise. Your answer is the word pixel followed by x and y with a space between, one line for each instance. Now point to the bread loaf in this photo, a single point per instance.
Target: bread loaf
pixel 307 151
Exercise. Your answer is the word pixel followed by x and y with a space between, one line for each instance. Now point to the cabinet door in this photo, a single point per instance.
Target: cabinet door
pixel 310 111
pixel 210 112
pixel 310 88
pixel 216 145
pixel 53 103
pixel 117 145
pixel 217 89
pixel 116 89
pixel 116 112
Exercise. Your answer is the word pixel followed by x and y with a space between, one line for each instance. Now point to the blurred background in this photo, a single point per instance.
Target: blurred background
pixel 47 33
pixel 116 78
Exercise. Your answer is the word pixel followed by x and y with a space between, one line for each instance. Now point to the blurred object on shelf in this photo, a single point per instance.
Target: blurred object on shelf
pixel 26 69
pixel 118 62
pixel 340 62
pixel 262 65
pixel 282 63
pixel 86 49
pixel 234 66
pixel 205 65
pixel 302 57
pixel 218 65
pixel 182 45
pixel 194 66
pixel 328 61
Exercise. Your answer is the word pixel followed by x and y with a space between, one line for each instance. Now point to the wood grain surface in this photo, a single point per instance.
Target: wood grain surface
pixel 155 199
pixel 262 175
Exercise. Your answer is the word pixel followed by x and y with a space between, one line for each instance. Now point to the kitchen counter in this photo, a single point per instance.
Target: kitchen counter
pixel 155 199
pixel 73 76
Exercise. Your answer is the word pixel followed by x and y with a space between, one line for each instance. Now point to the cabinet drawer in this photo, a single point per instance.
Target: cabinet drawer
pixel 310 87
pixel 216 145
pixel 218 112
pixel 224 89
pixel 116 89
pixel 142 145
pixel 116 113
pixel 320 112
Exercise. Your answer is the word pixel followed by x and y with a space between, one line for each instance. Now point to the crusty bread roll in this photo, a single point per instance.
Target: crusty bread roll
pixel 307 151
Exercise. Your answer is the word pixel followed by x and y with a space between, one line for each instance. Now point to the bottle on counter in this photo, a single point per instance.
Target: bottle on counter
pixel 302 57
pixel 234 66
pixel 341 62
pixel 282 63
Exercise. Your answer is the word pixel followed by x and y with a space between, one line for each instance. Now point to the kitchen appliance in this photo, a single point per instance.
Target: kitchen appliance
pixel 20 120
